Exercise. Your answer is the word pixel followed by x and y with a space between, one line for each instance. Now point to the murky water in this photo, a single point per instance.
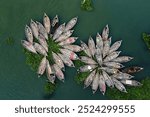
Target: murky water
pixel 127 20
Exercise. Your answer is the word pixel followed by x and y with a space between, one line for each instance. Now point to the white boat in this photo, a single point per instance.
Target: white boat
pixel 112 56
pixel 85 48
pixel 102 85
pixel 105 33
pixel 59 31
pixel 122 59
pixel 55 21
pixel 46 22
pixel 64 36
pixel 50 74
pixel 98 56
pixel 99 42
pixel 95 83
pixel 42 30
pixel 40 49
pixel 27 45
pixel 87 60
pixel 58 61
pixel 131 83
pixel 115 46
pixel 89 79
pixel 119 85
pixel 106 48
pixel 122 76
pixel 28 33
pixel 74 48
pixel 42 67
pixel 108 79
pixel 113 65
pixel 66 60
pixel 86 68
pixel 70 54
pixel 59 74
pixel 43 42
pixel 71 24
pixel 68 41
pixel 34 28
pixel 110 70
pixel 91 45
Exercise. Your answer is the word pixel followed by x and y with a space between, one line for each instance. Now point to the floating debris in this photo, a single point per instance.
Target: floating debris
pixel 104 64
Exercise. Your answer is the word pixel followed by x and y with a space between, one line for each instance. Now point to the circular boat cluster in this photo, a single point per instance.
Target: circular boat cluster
pixel 42 38
pixel 103 62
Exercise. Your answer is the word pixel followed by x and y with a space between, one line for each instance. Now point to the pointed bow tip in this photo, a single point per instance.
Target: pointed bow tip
pixel 63 80
pixel 93 91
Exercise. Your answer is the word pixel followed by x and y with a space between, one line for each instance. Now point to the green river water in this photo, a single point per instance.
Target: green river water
pixel 127 20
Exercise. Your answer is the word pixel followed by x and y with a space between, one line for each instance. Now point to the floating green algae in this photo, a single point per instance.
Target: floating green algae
pixel 10 41
pixel 146 38
pixel 134 93
pixel 49 88
pixel 86 5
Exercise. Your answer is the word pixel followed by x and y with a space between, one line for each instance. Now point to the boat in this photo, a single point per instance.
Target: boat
pixel 89 79
pixel 122 59
pixel 70 54
pixel 49 72
pixel 131 83
pixel 46 22
pixel 55 21
pixel 43 42
pixel 95 83
pixel 66 60
pixel 64 36
pixel 27 45
pixel 59 31
pixel 91 46
pixel 98 56
pixel 58 61
pixel 58 73
pixel 40 49
pixel 68 41
pixel 99 42
pixel 42 67
pixel 74 48
pixel 132 70
pixel 42 30
pixel 85 48
pixel 121 76
pixel 87 60
pixel 107 79
pixel 119 85
pixel 113 65
pixel 34 29
pixel 110 70
pixel 115 46
pixel 112 56
pixel 105 33
pixel 28 33
pixel 71 24
pixel 106 48
pixel 86 68
pixel 102 85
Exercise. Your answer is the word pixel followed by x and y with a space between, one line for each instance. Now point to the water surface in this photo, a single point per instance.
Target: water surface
pixel 127 20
